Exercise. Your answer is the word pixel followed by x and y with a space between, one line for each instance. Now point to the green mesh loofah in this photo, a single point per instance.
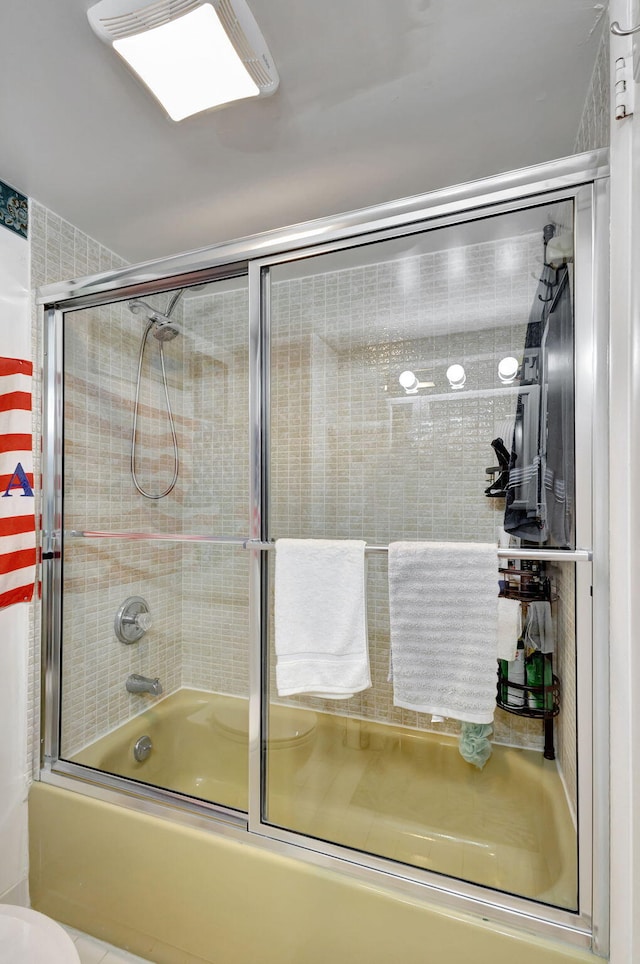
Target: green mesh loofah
pixel 474 743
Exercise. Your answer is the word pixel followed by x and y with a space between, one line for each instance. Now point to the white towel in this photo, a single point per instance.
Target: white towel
pixel 320 618
pixel 509 613
pixel 538 632
pixel 444 623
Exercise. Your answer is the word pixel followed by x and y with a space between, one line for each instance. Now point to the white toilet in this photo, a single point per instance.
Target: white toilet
pixel 28 937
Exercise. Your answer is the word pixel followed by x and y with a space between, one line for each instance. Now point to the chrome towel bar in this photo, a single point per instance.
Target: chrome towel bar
pixel 535 555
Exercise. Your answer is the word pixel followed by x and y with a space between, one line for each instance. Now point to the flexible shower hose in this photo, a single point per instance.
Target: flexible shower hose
pixel 176 457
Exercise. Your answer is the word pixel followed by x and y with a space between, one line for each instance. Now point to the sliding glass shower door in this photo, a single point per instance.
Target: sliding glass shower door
pixel 318 546
pixel 155 618
pixel 423 393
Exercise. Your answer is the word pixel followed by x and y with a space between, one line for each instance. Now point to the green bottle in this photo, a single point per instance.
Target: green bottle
pixel 535 671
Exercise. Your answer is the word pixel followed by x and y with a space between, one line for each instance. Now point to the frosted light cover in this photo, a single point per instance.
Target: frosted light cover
pixel 189 64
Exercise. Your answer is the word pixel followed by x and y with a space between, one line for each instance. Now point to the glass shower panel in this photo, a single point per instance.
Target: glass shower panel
pixel 202 354
pixel 135 549
pixel 422 391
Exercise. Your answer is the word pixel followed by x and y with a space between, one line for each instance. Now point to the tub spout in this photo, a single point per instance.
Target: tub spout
pixel 142 684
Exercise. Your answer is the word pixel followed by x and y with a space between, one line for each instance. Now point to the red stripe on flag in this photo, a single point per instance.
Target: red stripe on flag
pixel 11 561
pixel 5 479
pixel 15 366
pixel 11 401
pixel 18 525
pixel 16 530
pixel 15 443
pixel 22 594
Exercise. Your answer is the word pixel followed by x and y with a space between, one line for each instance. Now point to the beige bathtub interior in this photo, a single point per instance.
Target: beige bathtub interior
pixel 182 896
pixel 396 793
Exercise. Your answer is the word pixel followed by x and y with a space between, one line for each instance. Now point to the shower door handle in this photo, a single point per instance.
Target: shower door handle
pixel 547 555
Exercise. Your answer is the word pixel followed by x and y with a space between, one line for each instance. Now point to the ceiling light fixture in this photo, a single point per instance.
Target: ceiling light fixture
pixel 192 55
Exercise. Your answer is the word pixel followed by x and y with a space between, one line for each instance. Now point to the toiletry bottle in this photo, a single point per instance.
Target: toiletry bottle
pixel 534 668
pixel 517 675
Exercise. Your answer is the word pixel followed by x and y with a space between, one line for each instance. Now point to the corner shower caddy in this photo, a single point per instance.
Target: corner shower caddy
pixel 529 583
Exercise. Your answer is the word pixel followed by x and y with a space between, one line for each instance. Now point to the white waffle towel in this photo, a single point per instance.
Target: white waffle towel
pixel 444 624
pixel 320 618
pixel 509 627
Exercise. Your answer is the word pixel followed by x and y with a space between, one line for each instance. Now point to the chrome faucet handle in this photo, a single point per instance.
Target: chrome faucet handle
pixel 133 620
pixel 142 620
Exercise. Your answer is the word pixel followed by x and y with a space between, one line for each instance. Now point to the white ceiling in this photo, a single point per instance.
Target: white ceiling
pixel 378 99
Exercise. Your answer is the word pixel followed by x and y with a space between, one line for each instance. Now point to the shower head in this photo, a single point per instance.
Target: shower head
pixel 164 329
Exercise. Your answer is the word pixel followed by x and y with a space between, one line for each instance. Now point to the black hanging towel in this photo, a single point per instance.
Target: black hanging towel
pixel 539 494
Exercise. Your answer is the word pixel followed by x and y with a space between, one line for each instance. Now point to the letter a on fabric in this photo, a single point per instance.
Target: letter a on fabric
pixel 17 510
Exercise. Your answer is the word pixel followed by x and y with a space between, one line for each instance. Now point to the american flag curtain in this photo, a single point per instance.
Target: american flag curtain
pixel 17 515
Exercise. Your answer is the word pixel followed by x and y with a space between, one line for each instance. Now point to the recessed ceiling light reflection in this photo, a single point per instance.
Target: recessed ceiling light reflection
pixel 509 256
pixel 457 261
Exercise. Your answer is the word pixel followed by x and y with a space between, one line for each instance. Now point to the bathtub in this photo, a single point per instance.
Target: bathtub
pixel 177 893
pixel 408 794
pixel 200 744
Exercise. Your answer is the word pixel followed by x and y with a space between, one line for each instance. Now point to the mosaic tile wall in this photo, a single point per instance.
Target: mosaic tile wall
pixel 197 594
pixel 328 442
pixel 102 348
pixel 353 457
pixel 594 129
pixel 215 578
